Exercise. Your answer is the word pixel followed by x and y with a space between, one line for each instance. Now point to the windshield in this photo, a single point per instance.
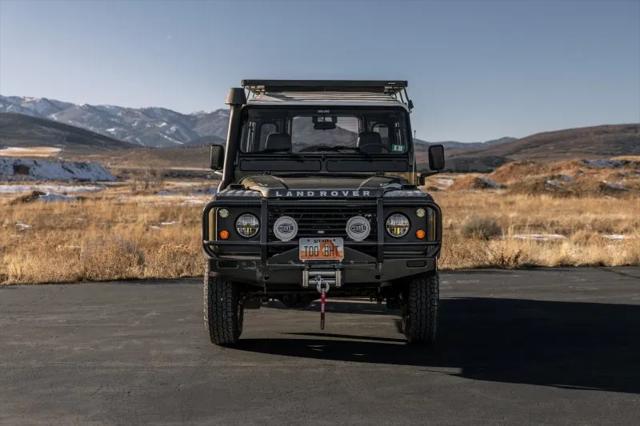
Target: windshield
pixel 360 131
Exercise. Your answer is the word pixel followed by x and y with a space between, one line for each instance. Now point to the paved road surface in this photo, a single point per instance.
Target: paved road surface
pixel 544 346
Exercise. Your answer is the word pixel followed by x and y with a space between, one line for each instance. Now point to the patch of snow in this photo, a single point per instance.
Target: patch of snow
pixel 51 197
pixel 13 189
pixel 614 185
pixel 603 163
pixel 173 222
pixel 553 182
pixel 171 139
pixel 22 226
pixel 185 190
pixel 490 183
pixel 17 169
pixel 111 130
pixel 168 137
pixel 194 201
pixel 539 237
pixel 616 237
pixel 444 182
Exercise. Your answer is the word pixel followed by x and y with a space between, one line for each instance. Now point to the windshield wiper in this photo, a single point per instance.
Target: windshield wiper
pixel 279 151
pixel 273 150
pixel 329 148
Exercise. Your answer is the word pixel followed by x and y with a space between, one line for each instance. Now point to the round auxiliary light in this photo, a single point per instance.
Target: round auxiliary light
pixel 285 228
pixel 223 213
pixel 358 228
pixel 420 212
pixel 247 225
pixel 397 225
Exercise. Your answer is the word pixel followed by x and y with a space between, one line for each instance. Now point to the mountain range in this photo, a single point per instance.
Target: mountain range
pixel 150 127
pixel 82 129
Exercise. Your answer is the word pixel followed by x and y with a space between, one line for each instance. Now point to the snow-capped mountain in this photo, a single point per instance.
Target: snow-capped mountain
pixel 154 127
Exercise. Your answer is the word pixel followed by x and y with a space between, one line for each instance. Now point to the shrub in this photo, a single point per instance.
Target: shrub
pixel 483 228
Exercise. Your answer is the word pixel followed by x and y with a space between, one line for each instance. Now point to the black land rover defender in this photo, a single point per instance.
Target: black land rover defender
pixel 319 192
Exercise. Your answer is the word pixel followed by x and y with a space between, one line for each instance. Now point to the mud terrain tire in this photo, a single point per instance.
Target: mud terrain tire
pixel 223 310
pixel 420 310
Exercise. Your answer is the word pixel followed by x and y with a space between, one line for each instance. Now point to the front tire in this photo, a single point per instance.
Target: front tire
pixel 223 310
pixel 420 309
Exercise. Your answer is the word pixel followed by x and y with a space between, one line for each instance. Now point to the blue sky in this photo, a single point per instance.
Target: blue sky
pixel 477 70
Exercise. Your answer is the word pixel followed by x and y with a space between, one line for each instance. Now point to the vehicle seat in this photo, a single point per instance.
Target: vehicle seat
pixel 278 142
pixel 370 143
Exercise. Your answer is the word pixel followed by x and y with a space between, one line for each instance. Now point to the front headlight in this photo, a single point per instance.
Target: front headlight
pixel 247 225
pixel 397 225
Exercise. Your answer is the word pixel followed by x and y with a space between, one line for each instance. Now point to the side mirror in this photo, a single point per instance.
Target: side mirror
pixel 436 157
pixel 436 163
pixel 216 157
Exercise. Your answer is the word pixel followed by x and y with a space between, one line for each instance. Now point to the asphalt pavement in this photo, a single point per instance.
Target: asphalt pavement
pixel 554 346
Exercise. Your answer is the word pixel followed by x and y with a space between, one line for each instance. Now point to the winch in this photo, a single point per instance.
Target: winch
pixel 314 276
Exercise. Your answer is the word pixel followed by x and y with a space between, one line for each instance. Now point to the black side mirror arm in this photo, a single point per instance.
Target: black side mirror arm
pixel 422 177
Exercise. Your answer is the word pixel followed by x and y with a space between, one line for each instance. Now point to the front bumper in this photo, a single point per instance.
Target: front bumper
pixel 253 271
pixel 365 264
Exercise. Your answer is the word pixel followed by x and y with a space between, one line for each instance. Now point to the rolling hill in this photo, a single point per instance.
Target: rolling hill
pixel 18 130
pixel 585 142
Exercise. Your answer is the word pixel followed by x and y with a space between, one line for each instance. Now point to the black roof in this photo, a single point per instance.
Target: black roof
pixel 377 86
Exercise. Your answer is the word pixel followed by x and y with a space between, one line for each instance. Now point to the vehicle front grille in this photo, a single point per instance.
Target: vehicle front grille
pixel 323 220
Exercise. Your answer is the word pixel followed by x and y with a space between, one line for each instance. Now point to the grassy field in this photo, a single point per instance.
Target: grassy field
pixel 130 231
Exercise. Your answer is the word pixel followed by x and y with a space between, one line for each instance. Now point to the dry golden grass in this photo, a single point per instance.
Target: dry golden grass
pixel 121 233
pixel 100 239
pixel 587 223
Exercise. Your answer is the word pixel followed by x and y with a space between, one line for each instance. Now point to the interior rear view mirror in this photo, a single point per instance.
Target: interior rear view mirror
pixel 324 122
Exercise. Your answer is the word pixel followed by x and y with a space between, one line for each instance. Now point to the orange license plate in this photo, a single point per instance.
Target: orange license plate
pixel 321 249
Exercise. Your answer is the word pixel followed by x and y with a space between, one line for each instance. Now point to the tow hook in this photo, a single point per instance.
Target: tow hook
pixel 323 288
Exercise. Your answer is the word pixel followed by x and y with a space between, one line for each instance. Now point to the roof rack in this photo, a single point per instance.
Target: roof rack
pixel 376 86
pixel 390 89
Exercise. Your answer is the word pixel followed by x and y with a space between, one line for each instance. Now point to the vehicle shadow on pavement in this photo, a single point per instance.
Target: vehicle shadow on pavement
pixel 562 344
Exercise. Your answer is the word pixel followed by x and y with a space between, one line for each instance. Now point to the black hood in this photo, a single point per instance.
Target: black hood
pixel 310 186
